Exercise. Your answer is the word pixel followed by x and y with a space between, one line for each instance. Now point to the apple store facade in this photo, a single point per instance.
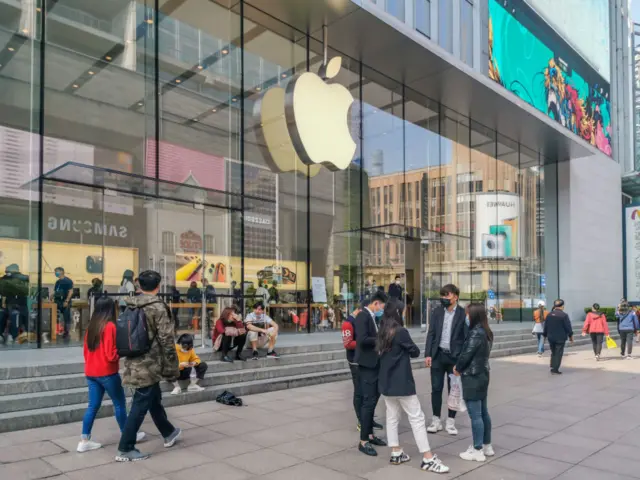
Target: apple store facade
pixel 220 142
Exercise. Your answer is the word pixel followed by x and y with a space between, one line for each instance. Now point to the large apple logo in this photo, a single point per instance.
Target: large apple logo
pixel 317 117
pixel 273 134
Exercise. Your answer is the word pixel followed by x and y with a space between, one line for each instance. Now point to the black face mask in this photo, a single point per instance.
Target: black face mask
pixel 446 302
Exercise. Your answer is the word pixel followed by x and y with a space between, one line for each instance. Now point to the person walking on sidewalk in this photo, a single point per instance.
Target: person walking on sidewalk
pixel 398 387
pixel 557 329
pixel 101 364
pixel 143 373
pixel 366 332
pixel 539 316
pixel 447 332
pixel 628 326
pixel 473 368
pixel 596 326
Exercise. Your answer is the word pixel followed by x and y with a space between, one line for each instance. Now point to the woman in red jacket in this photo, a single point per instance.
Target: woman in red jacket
pixel 229 333
pixel 596 325
pixel 101 369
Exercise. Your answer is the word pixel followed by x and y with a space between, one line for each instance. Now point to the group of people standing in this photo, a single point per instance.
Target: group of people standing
pixel 379 351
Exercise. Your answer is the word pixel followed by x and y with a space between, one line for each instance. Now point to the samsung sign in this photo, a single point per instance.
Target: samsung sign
pixel 88 227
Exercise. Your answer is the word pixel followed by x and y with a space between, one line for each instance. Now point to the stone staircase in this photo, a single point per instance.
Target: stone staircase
pixel 37 396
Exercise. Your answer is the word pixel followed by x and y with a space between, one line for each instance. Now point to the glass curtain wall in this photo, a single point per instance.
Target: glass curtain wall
pixel 171 93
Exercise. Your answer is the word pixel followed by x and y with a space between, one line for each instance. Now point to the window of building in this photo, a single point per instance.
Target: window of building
pixel 422 16
pixel 390 203
pixel 396 8
pixel 209 244
pixel 445 24
pixel 168 243
pixel 466 31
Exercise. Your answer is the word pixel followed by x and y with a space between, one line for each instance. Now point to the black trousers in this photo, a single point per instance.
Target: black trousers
pixel 147 399
pixel 201 369
pixel 357 390
pixel 229 343
pixel 557 350
pixel 441 367
pixel 596 340
pixel 626 341
pixel 370 396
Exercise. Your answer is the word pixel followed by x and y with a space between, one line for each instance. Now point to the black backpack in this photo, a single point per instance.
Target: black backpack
pixel 132 333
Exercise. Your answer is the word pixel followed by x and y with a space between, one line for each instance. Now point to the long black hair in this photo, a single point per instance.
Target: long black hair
pixel 478 316
pixel 391 321
pixel 104 311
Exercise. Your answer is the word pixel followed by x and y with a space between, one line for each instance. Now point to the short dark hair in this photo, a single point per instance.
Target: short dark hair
pixel 378 296
pixel 258 305
pixel 596 306
pixel 59 269
pixel 558 303
pixel 449 288
pixel 398 276
pixel 149 280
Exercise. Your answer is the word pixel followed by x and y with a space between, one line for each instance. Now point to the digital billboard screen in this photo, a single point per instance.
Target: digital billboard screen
pixel 529 58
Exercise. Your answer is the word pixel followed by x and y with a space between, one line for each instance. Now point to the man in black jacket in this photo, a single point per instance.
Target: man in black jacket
pixel 366 332
pixel 557 329
pixel 395 289
pixel 447 332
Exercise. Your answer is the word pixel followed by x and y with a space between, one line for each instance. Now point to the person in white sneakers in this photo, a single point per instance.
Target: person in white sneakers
pixel 473 368
pixel 398 387
pixel 447 332
pixel 191 366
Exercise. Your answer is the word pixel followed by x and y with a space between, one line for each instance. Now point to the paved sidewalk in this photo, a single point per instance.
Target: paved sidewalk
pixel 582 425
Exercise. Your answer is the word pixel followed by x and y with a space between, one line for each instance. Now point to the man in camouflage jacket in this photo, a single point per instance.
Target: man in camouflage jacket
pixel 144 373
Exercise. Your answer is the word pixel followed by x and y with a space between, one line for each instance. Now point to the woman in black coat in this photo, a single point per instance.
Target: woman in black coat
pixel 396 384
pixel 473 367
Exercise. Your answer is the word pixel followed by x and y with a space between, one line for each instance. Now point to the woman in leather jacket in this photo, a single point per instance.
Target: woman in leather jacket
pixel 473 367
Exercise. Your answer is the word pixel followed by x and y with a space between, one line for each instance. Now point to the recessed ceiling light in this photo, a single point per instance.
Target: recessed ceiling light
pixel 91 72
pixel 140 104
pixel 214 110
pixel 25 30
pixel 234 99
pixel 107 58
pixel 200 67
pixel 11 49
pixel 225 51
pixel 149 21
pixel 178 80
pixel 75 85
pixel 38 9
pixel 258 89
pixel 284 75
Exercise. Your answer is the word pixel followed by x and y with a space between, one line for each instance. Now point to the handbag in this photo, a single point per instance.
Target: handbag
pixel 455 401
pixel 231 332
pixel 611 343
pixel 537 328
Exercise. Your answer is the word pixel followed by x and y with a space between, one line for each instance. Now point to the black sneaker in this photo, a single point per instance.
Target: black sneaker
pixel 240 358
pixel 273 354
pixel 377 441
pixel 255 355
pixel 556 372
pixel 368 449
pixel 227 359
pixel 399 459
pixel 377 426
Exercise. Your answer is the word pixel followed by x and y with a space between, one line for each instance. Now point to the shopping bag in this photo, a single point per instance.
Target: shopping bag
pixel 611 343
pixel 455 401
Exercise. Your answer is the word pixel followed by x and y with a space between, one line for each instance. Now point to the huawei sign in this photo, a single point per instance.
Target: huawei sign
pixel 308 123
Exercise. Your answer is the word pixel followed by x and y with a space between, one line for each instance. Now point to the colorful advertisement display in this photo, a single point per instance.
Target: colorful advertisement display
pixel 632 253
pixel 497 225
pixel 528 58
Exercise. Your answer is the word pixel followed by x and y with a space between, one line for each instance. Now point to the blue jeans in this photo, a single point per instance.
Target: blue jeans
pixel 97 386
pixel 480 422
pixel 540 343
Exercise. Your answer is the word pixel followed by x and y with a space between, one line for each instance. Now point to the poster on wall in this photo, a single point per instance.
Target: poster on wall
pixel 528 57
pixel 497 225
pixel 318 290
pixel 632 253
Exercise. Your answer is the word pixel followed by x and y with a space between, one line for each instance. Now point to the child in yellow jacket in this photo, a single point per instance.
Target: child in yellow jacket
pixel 191 367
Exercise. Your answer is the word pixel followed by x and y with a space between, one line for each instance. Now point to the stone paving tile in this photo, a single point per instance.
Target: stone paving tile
pixel 209 418
pixel 225 448
pixel 610 464
pixel 114 471
pixel 175 460
pixel 584 473
pixel 531 464
pixel 352 462
pixel 263 461
pixel 235 427
pixel 32 469
pixel 17 453
pixel 494 472
pixel 565 453
pixel 194 409
pixel 308 471
pixel 67 462
pixel 218 470
pixel 307 449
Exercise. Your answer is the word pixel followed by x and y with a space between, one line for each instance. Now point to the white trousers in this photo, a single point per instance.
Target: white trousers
pixel 411 406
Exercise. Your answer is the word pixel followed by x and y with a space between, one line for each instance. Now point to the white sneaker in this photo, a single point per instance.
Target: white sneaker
pixel 473 455
pixel 488 451
pixel 436 425
pixel 450 427
pixel 629 357
pixel 140 437
pixel 87 446
pixel 194 387
pixel 176 391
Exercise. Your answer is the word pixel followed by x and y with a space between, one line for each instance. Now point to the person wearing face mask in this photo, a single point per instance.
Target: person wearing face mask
pixel 445 338
pixel 395 289
pixel 366 332
pixel 189 363
pixel 62 293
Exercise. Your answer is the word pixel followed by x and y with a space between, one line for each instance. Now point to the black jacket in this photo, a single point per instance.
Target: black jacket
pixel 396 377
pixel 458 332
pixel 366 334
pixel 395 291
pixel 557 327
pixel 473 364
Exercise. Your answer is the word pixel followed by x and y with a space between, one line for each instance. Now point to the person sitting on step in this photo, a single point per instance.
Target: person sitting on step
pixel 191 366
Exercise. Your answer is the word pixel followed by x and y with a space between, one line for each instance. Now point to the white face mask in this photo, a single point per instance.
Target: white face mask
pixel 397 282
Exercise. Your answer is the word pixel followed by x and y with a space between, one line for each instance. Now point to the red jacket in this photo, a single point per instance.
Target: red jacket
pixel 596 323
pixel 104 360
pixel 349 338
pixel 220 326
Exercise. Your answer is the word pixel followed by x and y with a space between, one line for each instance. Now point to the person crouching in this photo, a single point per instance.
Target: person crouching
pixel 190 365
